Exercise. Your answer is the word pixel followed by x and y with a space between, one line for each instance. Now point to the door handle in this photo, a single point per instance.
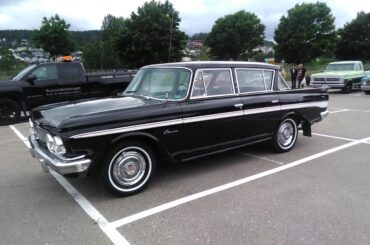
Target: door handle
pixel 275 101
pixel 239 106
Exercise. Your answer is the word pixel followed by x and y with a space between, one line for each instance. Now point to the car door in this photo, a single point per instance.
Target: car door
pixel 261 105
pixel 43 88
pixel 212 118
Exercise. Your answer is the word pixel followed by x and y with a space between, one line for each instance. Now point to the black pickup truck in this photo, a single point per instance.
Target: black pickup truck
pixel 55 82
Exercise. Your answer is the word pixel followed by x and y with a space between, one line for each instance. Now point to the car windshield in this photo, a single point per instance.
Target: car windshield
pixel 161 83
pixel 20 75
pixel 340 67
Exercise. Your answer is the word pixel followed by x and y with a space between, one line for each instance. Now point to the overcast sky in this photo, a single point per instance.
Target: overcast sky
pixel 196 15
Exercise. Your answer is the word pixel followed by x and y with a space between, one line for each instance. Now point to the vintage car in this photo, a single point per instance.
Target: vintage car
pixel 365 84
pixel 344 75
pixel 173 112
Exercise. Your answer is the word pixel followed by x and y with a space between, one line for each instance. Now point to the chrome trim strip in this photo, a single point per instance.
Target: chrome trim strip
pixel 128 129
pixel 213 116
pixel 261 110
pixel 322 104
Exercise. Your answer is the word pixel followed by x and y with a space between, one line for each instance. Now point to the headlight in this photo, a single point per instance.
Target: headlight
pixel 55 144
pixel 364 83
pixel 32 129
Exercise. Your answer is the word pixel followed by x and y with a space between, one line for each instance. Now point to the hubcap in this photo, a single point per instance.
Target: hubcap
pixel 128 167
pixel 286 134
pixel 7 112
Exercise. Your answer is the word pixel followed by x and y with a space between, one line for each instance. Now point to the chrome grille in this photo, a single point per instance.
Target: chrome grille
pixel 332 79
pixel 41 134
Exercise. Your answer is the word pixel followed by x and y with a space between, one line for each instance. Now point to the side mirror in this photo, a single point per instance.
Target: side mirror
pixel 31 78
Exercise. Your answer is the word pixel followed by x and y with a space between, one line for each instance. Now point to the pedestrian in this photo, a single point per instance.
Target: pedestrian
pixel 293 75
pixel 282 71
pixel 301 75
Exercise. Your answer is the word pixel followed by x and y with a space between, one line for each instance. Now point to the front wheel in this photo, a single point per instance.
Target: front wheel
pixel 10 111
pixel 347 89
pixel 128 168
pixel 285 136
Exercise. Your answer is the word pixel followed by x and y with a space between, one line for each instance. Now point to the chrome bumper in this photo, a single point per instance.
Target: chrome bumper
pixel 59 164
pixel 365 87
pixel 327 85
pixel 324 114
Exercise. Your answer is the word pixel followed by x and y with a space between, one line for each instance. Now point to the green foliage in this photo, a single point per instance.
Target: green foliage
pixel 354 42
pixel 9 66
pixel 54 36
pixel 151 35
pixel 235 36
pixel 307 32
pixel 102 54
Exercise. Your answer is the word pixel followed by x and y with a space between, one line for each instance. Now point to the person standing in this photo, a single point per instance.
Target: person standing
pixel 293 75
pixel 301 74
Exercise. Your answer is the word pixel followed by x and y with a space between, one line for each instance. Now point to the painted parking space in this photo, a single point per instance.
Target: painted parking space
pixel 283 207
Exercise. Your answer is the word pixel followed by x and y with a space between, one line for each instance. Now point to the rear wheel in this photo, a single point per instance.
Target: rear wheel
pixel 10 111
pixel 285 136
pixel 128 168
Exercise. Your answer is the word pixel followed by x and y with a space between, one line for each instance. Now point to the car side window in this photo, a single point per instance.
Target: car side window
pixel 251 80
pixel 48 72
pixel 282 85
pixel 212 82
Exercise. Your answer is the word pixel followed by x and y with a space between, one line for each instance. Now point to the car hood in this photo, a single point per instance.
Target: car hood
pixel 333 73
pixel 97 111
pixel 6 82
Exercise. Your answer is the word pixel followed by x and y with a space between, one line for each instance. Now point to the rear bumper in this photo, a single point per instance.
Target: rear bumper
pixel 324 114
pixel 59 164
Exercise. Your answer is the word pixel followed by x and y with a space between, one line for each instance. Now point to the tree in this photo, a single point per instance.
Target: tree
pixel 54 36
pixel 307 32
pixel 354 41
pixel 235 36
pixel 152 35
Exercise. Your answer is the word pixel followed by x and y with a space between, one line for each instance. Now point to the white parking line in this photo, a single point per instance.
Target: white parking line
pixel 169 205
pixel 344 110
pixel 333 137
pixel 94 214
pixel 348 109
pixel 261 158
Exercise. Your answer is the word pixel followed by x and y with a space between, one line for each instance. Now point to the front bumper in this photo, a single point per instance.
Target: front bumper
pixel 59 164
pixel 327 85
pixel 365 87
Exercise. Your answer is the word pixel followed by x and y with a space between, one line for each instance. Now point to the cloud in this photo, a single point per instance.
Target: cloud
pixel 196 15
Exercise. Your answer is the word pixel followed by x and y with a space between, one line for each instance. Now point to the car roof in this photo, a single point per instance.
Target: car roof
pixel 345 62
pixel 214 64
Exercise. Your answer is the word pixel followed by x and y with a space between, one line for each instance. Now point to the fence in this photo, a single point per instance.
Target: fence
pixel 6 75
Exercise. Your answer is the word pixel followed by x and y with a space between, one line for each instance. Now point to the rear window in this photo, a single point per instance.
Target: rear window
pixel 254 80
pixel 71 71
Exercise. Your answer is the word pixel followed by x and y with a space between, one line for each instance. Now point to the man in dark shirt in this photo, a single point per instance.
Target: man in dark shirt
pixel 293 75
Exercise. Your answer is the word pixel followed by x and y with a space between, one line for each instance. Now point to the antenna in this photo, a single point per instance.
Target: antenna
pixel 169 49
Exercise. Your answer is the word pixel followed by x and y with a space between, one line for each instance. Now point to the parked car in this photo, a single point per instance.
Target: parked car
pixel 365 84
pixel 55 82
pixel 177 112
pixel 344 75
